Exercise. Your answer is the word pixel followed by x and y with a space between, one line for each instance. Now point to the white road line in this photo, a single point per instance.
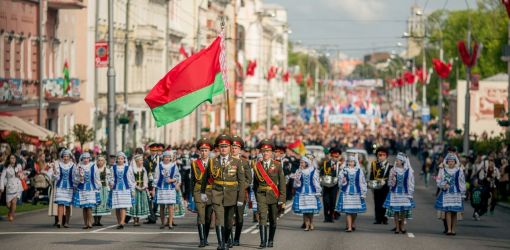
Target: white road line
pixel 249 229
pixel 410 235
pixel 104 228
pixel 256 231
pixel 114 232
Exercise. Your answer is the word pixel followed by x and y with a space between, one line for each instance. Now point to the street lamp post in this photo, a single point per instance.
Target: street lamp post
pixel 467 105
pixel 111 84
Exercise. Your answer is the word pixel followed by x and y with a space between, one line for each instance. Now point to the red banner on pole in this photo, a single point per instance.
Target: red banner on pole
pixel 101 54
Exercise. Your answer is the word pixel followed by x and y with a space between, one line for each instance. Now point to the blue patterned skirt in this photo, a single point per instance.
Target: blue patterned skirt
pixel 350 203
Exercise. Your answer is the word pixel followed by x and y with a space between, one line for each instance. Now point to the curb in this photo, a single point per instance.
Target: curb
pixel 503 205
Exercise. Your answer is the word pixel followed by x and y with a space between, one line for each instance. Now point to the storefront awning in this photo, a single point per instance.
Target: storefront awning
pixel 9 123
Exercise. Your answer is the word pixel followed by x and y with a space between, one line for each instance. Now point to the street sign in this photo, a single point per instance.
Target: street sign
pixel 425 114
pixel 101 52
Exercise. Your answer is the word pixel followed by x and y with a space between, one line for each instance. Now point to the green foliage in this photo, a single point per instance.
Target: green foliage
pixel 364 71
pixel 14 139
pixel 83 133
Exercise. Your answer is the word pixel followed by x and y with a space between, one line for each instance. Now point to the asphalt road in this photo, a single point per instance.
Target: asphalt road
pixel 34 231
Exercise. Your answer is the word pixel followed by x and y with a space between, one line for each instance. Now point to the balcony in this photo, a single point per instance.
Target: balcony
pixel 66 4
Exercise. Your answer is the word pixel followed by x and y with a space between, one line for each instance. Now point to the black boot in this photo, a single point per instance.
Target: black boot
pixel 201 235
pixel 221 240
pixel 206 233
pixel 263 236
pixel 228 238
pixel 237 237
pixel 272 231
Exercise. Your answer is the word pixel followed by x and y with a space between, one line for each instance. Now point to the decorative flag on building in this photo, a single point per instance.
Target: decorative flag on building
pixel 298 78
pixel 441 68
pixel 183 51
pixel 286 76
pixel 250 71
pixel 193 81
pixel 67 80
pixel 271 73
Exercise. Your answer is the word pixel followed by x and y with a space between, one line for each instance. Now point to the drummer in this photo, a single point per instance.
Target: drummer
pixel 329 182
pixel 378 182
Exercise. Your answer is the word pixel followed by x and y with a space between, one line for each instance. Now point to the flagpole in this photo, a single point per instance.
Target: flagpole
pixel 229 120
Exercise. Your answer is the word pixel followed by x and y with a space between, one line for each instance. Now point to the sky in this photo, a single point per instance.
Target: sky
pixel 355 27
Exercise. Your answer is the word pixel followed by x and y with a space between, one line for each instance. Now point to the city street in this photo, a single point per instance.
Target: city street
pixel 33 230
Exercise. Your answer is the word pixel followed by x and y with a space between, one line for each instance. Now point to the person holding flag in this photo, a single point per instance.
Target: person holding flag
pixel 269 187
pixel 227 175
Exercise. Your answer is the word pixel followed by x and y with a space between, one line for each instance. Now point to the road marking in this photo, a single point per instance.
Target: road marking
pixel 255 231
pixel 104 228
pixel 249 229
pixel 410 235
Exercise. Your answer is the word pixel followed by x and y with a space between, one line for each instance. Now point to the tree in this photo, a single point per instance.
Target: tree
pixel 83 133
pixel 364 71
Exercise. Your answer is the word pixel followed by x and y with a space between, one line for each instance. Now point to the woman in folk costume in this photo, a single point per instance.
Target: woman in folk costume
pixel 140 209
pixel 353 191
pixel 308 191
pixel 87 182
pixel 399 202
pixel 452 185
pixel 122 189
pixel 63 174
pixel 10 183
pixel 167 179
pixel 105 176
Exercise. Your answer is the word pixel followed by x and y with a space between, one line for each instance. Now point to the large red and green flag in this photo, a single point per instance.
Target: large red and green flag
pixel 67 80
pixel 193 81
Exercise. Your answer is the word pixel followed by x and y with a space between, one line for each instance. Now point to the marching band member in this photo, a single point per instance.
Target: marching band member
pixel 105 174
pixel 122 189
pixel 167 179
pixel 63 175
pixel 308 192
pixel 140 208
pixel 329 181
pixel 452 184
pixel 86 181
pixel 378 178
pixel 353 191
pixel 399 203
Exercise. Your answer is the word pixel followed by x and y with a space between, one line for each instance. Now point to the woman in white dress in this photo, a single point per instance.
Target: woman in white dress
pixel 399 202
pixel 353 191
pixel 122 189
pixel 167 179
pixel 63 175
pixel 308 192
pixel 86 183
pixel 452 185
pixel 10 182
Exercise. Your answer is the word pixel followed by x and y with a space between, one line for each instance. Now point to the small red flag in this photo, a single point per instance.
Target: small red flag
pixel 441 68
pixel 298 78
pixel 507 6
pixel 250 71
pixel 183 51
pixel 286 76
pixel 409 77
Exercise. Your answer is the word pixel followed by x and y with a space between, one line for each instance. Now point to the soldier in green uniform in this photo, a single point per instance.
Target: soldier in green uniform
pixel 269 187
pixel 227 175
pixel 237 146
pixel 204 209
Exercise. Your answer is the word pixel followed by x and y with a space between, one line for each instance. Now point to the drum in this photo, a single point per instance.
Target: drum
pixel 329 181
pixel 376 184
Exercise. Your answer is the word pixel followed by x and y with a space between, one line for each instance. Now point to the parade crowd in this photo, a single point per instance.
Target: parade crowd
pixel 220 177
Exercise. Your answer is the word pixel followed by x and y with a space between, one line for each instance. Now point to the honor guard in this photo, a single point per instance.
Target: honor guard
pixel 227 175
pixel 269 187
pixel 378 182
pixel 198 170
pixel 329 182
pixel 237 146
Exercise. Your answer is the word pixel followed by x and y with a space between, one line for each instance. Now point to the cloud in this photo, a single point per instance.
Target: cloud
pixel 359 9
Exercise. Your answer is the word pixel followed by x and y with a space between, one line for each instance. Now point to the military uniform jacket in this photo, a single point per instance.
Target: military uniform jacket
pixel 227 181
pixel 196 181
pixel 263 191
pixel 328 169
pixel 247 173
pixel 377 171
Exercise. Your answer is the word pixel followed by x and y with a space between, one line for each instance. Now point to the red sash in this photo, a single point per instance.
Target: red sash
pixel 268 180
pixel 202 170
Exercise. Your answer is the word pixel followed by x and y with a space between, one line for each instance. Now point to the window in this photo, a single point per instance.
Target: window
pixel 138 55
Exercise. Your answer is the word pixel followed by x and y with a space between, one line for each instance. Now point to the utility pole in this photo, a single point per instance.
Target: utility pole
pixel 112 143
pixel 440 136
pixel 42 8
pixel 268 108
pixel 467 105
pixel 126 69
pixel 167 62
pixel 96 85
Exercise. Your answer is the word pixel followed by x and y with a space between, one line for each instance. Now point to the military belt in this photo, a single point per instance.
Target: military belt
pixel 226 183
